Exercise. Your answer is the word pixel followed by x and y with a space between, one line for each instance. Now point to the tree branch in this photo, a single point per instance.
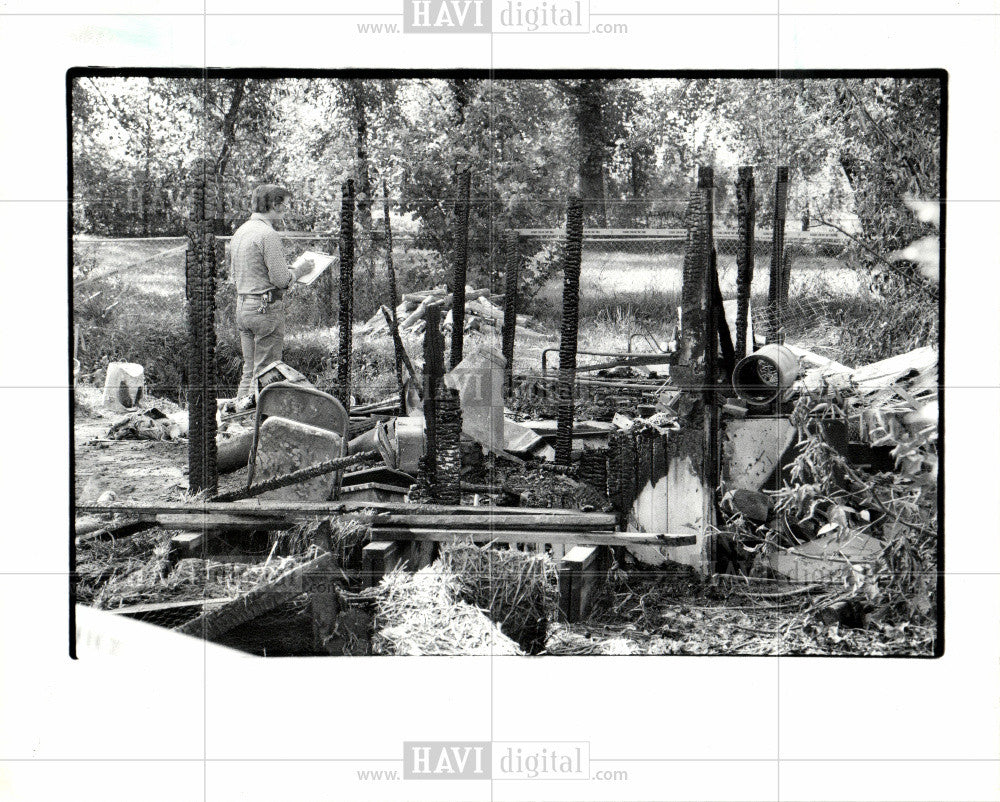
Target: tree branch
pixel 115 114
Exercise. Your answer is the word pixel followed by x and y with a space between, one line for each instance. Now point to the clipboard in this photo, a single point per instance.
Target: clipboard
pixel 320 262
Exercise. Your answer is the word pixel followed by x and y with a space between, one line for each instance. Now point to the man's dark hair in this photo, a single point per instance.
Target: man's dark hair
pixel 267 196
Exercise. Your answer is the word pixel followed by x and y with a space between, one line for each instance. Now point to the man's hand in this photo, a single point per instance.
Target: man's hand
pixel 299 272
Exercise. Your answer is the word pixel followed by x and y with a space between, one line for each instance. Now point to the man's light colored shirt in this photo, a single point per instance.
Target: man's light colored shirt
pixel 258 257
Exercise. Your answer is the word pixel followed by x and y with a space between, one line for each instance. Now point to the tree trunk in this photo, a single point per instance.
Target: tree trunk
pixel 228 140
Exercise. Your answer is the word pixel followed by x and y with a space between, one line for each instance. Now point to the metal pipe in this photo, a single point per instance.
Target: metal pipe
pixel 765 375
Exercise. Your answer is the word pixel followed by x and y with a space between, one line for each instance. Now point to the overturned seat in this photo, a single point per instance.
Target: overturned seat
pixel 297 427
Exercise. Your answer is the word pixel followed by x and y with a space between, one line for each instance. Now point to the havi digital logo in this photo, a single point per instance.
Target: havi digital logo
pixel 447 16
pixel 446 760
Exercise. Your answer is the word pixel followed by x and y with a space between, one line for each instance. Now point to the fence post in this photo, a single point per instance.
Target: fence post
pixel 746 213
pixel 200 259
pixel 569 330
pixel 777 293
pixel 511 269
pixel 346 311
pixel 461 264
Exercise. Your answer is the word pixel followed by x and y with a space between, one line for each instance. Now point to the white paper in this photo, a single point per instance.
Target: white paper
pixel 320 262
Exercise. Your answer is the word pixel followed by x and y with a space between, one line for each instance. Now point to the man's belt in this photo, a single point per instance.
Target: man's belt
pixel 268 295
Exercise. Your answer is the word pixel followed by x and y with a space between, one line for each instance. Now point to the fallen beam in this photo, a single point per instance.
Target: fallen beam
pixel 214 521
pixel 213 623
pixel 116 531
pixel 312 509
pixel 502 520
pixel 523 536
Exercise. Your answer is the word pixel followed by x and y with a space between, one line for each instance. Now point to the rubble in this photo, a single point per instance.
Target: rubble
pixel 481 313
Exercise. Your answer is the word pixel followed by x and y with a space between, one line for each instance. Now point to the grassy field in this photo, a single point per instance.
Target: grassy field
pixel 129 305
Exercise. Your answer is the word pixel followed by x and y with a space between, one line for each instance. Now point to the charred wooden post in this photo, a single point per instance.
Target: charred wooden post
pixel 397 344
pixel 569 329
pixel 695 346
pixel 686 460
pixel 346 311
pixel 433 371
pixel 777 292
pixel 720 323
pixel 622 474
pixel 200 268
pixel 449 447
pixel 746 214
pixel 461 264
pixel 511 269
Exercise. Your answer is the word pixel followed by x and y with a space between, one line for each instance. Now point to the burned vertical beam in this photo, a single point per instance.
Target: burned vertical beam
pixel 461 264
pixel 687 459
pixel 200 269
pixel 390 268
pixel 695 293
pixel 448 427
pixel 346 312
pixel 511 269
pixel 433 371
pixel 777 293
pixel 746 214
pixel 569 329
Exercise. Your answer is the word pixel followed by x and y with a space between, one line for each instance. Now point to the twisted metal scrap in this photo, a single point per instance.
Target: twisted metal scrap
pixel 300 475
pixel 569 330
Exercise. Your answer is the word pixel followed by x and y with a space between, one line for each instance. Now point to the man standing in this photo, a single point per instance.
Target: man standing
pixel 262 275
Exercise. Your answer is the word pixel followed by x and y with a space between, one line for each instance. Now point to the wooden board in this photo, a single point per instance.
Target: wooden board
pixel 313 509
pixel 521 536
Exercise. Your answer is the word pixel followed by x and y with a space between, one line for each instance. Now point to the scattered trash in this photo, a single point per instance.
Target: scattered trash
pixel 151 424
pixel 124 386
